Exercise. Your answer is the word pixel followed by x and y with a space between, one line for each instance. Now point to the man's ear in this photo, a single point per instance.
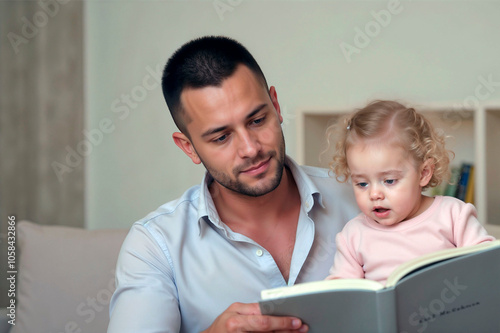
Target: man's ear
pixel 426 172
pixel 276 104
pixel 183 142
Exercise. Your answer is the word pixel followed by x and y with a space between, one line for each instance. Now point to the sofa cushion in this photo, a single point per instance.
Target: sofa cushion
pixel 65 278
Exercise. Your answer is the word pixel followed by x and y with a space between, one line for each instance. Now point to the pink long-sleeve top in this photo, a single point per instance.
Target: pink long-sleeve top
pixel 366 249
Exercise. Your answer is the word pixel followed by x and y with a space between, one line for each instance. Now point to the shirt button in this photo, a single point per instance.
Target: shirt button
pixel 259 253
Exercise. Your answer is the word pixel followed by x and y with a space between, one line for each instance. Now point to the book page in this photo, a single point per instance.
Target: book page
pixel 422 261
pixel 320 286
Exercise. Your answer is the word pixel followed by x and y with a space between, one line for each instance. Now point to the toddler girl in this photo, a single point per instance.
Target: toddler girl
pixel 391 154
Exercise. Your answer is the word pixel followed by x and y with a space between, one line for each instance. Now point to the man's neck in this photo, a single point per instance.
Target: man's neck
pixel 237 210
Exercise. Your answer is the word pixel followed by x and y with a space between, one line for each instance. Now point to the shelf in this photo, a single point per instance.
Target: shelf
pixel 492 162
pixel 459 128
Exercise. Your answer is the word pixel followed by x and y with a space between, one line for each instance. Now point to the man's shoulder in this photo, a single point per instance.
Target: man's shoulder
pixel 333 192
pixel 176 210
pixel 317 172
pixel 313 177
pixel 324 179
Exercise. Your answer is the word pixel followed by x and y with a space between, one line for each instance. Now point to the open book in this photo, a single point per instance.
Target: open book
pixel 453 290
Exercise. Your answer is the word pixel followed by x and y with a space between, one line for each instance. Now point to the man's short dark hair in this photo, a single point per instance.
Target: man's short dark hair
pixel 203 62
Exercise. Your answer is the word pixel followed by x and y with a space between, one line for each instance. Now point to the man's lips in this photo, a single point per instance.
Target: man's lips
pixel 256 168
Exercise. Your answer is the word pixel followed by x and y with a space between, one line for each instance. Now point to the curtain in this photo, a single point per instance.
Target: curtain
pixel 41 114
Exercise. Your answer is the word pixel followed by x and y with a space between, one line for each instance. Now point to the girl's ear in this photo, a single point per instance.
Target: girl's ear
pixel 426 172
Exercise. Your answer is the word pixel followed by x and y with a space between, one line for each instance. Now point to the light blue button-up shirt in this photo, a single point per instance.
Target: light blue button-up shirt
pixel 180 267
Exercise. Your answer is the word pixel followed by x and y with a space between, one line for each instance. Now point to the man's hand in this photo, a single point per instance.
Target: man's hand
pixel 240 317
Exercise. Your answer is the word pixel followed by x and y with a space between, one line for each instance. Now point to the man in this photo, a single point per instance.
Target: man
pixel 257 220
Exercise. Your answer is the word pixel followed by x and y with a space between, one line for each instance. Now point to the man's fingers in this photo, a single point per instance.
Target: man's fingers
pixel 246 317
pixel 262 323
pixel 251 315
pixel 245 308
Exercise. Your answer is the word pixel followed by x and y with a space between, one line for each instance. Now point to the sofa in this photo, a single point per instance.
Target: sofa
pixel 64 281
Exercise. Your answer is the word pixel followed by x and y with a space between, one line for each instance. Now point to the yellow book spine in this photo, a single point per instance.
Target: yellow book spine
pixel 469 194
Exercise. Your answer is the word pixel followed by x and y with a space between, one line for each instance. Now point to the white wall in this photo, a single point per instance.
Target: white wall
pixel 431 51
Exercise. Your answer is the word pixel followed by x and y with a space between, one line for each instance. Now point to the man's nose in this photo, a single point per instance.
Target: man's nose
pixel 249 145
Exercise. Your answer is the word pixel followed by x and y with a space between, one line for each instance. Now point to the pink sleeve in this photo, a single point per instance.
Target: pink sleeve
pixel 345 264
pixel 467 230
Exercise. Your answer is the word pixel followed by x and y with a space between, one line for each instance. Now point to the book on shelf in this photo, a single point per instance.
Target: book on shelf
pixel 463 181
pixel 453 290
pixel 461 184
pixel 451 188
pixel 469 191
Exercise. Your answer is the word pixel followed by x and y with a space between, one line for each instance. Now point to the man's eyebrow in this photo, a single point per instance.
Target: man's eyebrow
pixel 256 110
pixel 223 128
pixel 213 131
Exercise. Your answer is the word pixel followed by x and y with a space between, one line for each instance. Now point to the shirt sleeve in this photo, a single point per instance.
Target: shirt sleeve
pixel 345 264
pixel 145 299
pixel 467 229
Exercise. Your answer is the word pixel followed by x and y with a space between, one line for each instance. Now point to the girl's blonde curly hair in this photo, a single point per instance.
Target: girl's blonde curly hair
pixel 395 124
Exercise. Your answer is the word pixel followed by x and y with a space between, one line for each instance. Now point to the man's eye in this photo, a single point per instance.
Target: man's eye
pixel 221 139
pixel 258 120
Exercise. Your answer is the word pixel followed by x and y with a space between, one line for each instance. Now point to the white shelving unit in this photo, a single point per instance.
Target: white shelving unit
pixel 473 134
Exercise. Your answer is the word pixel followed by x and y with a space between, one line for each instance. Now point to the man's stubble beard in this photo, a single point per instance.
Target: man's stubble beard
pixel 239 187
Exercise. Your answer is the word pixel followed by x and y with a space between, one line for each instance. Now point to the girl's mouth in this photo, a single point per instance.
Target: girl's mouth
pixel 381 212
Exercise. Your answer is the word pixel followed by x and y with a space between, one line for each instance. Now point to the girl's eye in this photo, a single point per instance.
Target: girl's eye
pixel 390 181
pixel 362 184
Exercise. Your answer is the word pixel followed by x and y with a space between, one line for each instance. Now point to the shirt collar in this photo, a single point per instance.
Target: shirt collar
pixel 309 193
pixel 207 213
